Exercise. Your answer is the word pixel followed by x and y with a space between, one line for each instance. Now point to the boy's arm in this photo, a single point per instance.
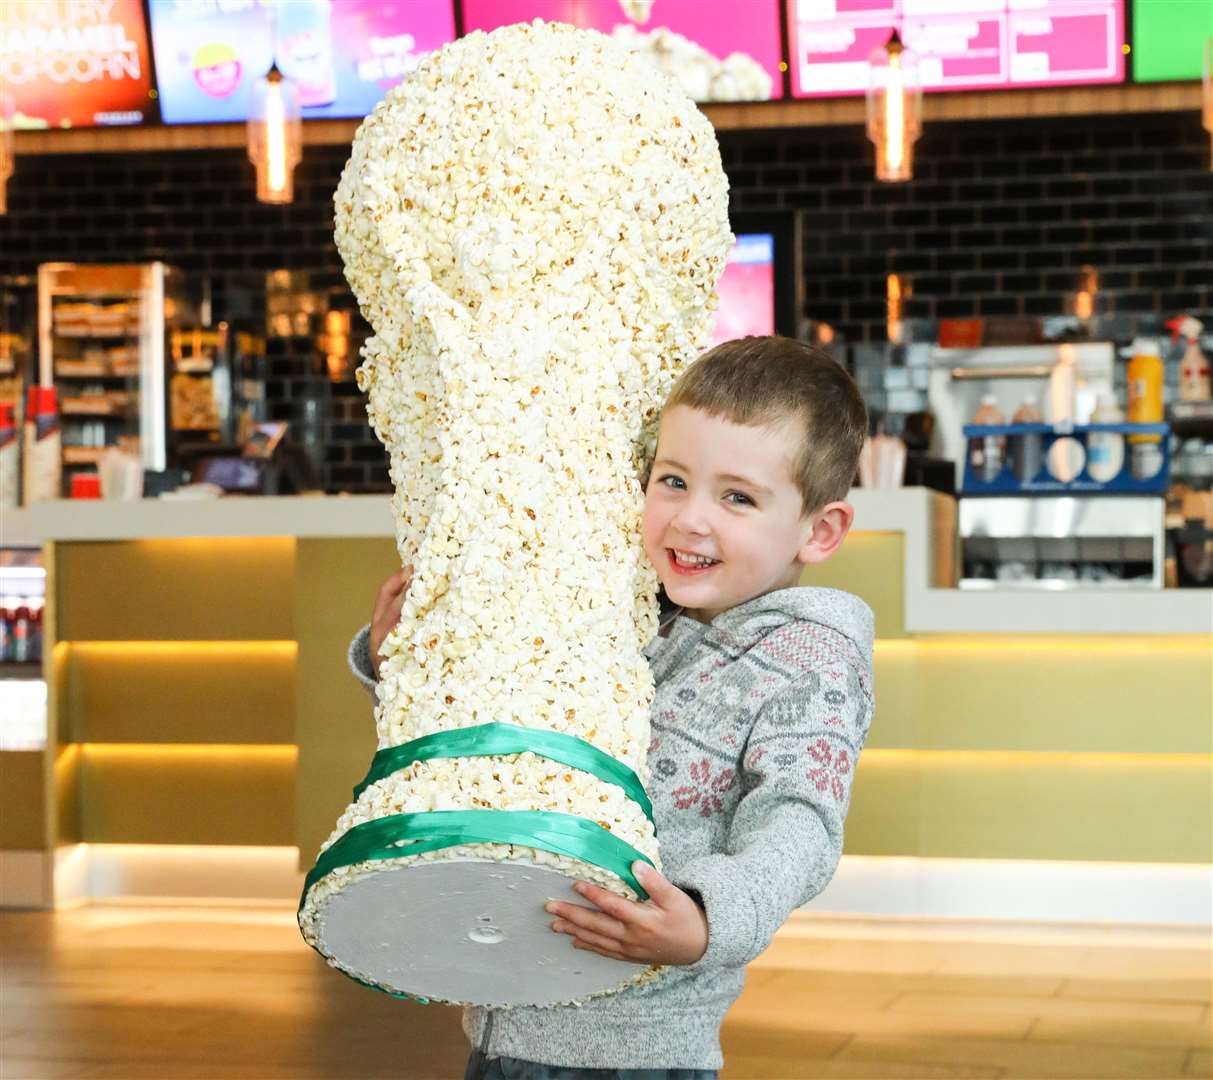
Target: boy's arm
pixel 358 656
pixel 785 839
pixel 386 614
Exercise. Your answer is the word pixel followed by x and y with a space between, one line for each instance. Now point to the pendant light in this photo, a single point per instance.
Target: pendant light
pixel 894 109
pixel 275 136
pixel 897 288
pixel 1086 291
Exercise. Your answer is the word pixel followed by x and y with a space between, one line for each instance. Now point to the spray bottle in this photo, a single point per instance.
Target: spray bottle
pixel 1195 383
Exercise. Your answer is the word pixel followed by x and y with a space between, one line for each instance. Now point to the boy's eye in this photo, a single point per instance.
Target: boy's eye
pixel 744 500
pixel 675 482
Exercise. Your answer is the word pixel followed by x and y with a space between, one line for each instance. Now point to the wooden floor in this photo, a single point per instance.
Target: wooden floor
pixel 169 993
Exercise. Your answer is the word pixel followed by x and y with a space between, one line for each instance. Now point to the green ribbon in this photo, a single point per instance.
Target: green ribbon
pixel 497 739
pixel 399 835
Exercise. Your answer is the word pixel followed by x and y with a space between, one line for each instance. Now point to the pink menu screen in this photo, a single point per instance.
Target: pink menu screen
pixel 719 27
pixel 747 290
pixel 961 44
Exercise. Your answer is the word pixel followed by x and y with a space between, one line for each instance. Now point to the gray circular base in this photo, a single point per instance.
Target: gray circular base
pixel 467 931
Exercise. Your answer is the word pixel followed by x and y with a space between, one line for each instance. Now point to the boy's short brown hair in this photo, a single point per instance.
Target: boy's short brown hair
pixel 770 380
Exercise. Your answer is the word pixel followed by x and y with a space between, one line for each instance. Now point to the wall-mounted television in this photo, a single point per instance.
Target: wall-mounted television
pixel 759 288
pixel 1169 38
pixel 720 50
pixel 961 44
pixel 75 64
pixel 343 54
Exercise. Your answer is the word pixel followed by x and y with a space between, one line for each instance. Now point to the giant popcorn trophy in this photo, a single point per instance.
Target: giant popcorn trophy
pixel 533 223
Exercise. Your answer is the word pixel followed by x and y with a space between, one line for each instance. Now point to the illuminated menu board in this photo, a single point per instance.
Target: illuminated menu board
pixel 720 50
pixel 76 64
pixel 343 54
pixel 747 290
pixel 961 44
pixel 1169 38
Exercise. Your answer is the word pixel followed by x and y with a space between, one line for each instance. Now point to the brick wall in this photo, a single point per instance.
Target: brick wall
pixel 998 220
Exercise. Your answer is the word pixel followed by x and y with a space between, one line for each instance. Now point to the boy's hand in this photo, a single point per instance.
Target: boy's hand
pixel 670 928
pixel 388 602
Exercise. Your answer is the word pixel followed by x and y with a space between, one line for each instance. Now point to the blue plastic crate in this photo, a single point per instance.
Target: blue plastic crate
pixel 1044 482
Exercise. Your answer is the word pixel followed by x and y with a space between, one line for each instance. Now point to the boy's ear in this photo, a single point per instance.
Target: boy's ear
pixel 830 527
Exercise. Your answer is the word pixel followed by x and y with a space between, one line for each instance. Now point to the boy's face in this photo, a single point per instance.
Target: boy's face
pixel 724 491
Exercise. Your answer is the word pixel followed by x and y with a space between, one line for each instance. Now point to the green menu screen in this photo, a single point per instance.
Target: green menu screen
pixel 1169 38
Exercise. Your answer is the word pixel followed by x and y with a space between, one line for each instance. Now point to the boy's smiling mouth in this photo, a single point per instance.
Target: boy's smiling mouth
pixel 685 562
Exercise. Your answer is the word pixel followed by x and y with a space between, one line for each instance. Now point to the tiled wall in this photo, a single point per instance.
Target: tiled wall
pixel 998 220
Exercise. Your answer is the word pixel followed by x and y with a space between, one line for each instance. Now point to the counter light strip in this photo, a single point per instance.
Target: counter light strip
pixel 872 756
pixel 1140 647
pixel 1197 644
pixel 887 756
pixel 161 750
pixel 240 646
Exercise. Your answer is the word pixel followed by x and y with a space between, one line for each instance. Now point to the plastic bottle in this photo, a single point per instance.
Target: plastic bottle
pixel 9 457
pixel 1145 406
pixel 1027 451
pixel 21 635
pixel 1195 382
pixel 1105 450
pixel 43 446
pixel 988 452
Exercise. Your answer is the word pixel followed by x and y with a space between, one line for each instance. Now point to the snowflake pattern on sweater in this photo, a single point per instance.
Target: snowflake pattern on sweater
pixel 705 790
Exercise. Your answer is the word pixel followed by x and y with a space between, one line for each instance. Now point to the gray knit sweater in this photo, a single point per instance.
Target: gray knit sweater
pixel 758 721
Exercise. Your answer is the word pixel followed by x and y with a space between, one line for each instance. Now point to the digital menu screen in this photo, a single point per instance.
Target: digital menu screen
pixel 75 64
pixel 1169 38
pixel 747 289
pixel 720 50
pixel 961 44
pixel 344 55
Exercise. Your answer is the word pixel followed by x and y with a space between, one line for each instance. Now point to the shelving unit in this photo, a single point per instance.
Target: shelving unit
pixel 101 335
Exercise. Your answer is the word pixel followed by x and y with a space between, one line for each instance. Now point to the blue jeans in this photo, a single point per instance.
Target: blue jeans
pixel 512 1069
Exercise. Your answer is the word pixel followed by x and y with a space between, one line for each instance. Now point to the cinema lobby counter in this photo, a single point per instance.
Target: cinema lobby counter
pixel 1032 757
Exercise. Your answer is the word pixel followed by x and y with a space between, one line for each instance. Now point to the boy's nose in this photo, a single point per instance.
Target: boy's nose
pixel 690 520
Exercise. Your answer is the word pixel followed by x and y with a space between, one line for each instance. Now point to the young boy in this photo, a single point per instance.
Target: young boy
pixel 763 700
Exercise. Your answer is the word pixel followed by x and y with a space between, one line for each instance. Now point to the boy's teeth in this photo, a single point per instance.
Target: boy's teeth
pixel 693 560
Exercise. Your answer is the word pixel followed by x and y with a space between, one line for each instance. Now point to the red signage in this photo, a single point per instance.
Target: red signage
pixel 75 63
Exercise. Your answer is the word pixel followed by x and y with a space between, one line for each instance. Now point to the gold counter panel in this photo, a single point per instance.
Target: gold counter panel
pixel 202 696
pixel 203 589
pixel 1120 694
pixel 988 805
pixel 23 819
pixel 162 794
pixel 178 692
pixel 337 582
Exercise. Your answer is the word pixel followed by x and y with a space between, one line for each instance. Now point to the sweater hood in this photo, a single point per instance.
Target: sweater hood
pixel 751 621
